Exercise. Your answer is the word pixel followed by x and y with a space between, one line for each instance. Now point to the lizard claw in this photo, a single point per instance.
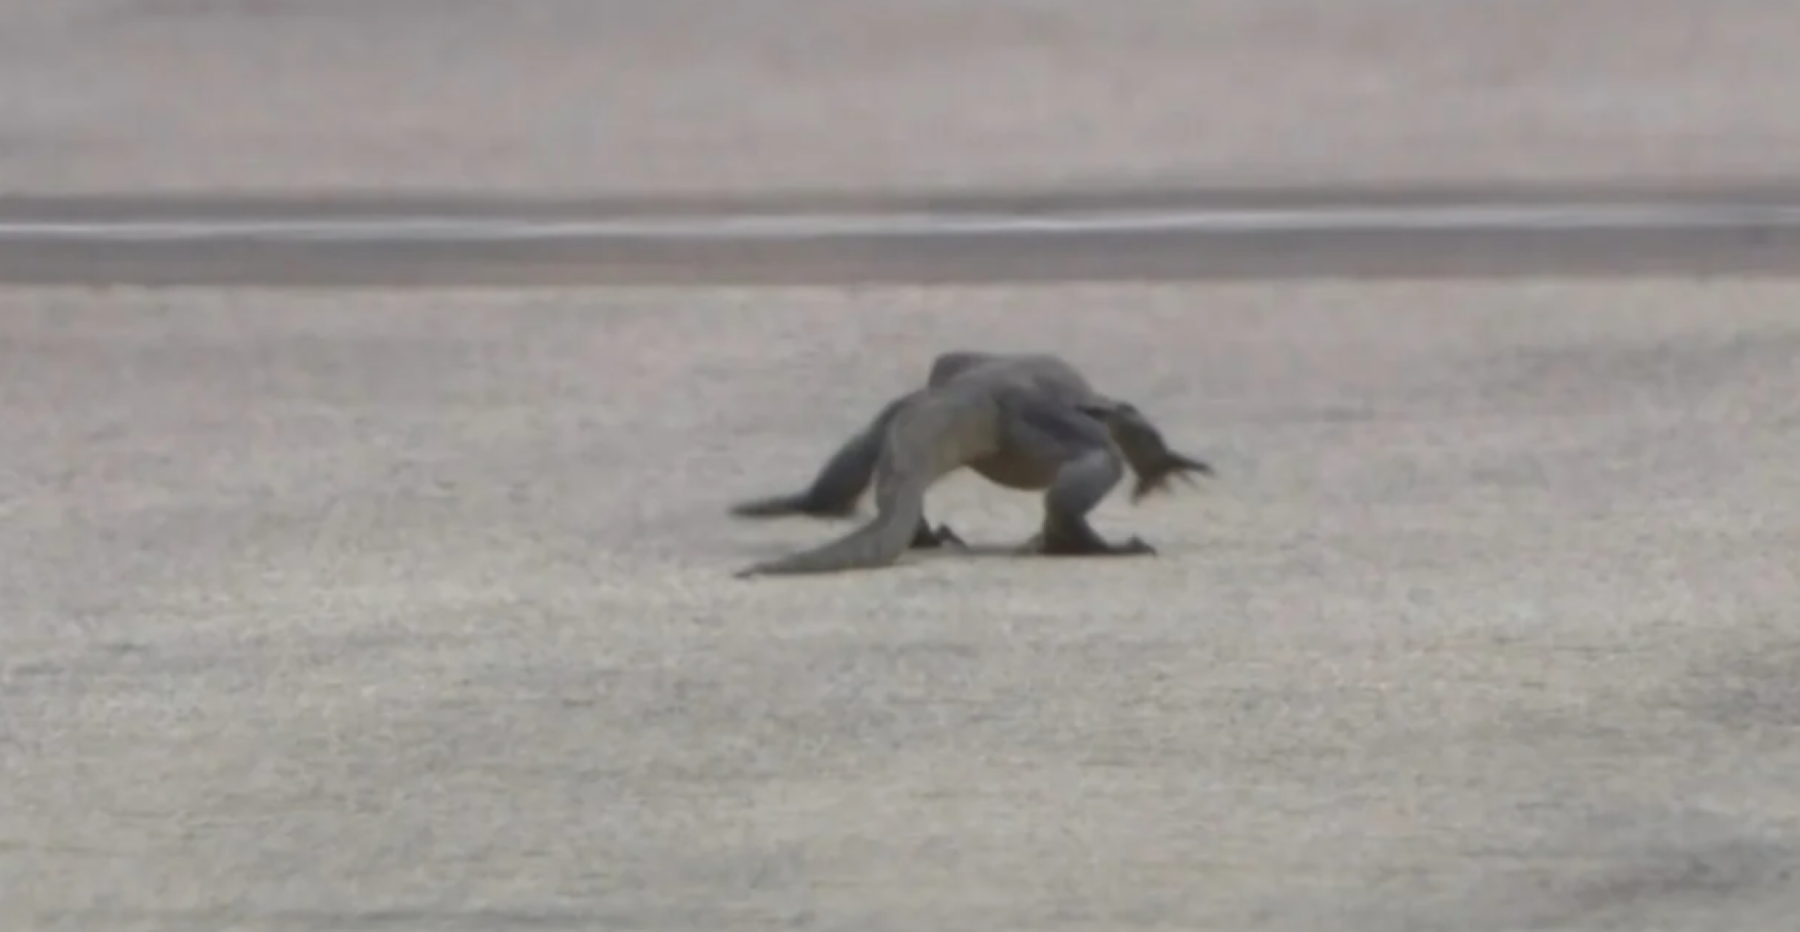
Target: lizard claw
pixel 933 538
pixel 1136 545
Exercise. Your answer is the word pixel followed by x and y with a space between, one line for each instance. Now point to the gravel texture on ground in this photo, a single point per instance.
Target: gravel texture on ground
pixel 359 611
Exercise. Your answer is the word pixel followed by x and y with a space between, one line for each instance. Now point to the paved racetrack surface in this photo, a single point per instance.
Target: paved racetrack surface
pixel 410 609
pixel 384 610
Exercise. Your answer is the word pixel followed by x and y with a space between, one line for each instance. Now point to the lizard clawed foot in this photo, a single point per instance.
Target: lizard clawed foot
pixel 940 537
pixel 1136 546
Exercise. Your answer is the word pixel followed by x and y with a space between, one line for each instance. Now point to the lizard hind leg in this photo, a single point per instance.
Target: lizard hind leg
pixel 1080 485
pixel 927 442
pixel 1089 466
pixel 842 481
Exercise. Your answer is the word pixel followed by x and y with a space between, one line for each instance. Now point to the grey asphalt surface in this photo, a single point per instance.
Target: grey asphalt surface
pixel 410 609
pixel 1739 247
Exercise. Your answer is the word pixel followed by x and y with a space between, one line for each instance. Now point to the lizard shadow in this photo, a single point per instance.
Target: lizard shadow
pixel 979 551
pixel 966 551
pixel 1015 550
pixel 948 552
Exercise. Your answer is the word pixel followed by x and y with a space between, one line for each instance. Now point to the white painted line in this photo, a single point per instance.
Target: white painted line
pixel 1474 217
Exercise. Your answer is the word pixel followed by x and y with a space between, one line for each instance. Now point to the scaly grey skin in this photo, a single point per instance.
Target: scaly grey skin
pixel 844 478
pixel 1028 422
pixel 1142 445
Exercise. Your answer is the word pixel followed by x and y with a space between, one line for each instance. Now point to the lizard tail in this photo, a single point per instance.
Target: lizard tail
pixel 923 448
pixel 927 441
pixel 775 506
pixel 878 543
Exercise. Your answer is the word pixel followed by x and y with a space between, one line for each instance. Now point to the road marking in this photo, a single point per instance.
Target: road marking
pixel 425 228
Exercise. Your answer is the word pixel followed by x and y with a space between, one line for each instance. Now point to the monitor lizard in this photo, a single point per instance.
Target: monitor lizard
pixel 1023 421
